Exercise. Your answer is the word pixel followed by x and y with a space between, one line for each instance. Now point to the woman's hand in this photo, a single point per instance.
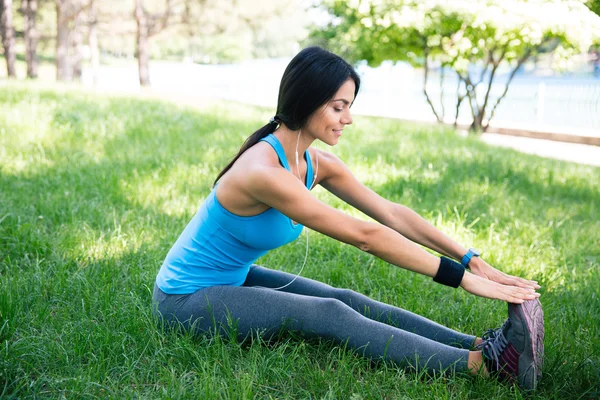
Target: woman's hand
pixel 484 270
pixel 483 287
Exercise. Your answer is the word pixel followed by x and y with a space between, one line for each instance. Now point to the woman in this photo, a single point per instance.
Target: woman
pixel 259 203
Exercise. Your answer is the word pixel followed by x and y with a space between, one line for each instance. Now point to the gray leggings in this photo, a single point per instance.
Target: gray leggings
pixel 375 329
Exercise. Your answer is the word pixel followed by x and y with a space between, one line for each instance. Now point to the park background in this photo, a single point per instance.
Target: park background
pixel 116 116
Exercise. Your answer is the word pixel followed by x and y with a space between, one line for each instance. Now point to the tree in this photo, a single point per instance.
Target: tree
pixel 29 9
pixel 93 42
pixel 67 11
pixel 235 30
pixel 266 20
pixel 473 39
pixel 8 36
pixel 594 5
pixel 148 25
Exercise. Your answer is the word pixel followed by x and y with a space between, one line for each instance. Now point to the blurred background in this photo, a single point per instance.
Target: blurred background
pixel 526 68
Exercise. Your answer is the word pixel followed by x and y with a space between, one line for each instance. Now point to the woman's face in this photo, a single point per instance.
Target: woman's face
pixel 327 123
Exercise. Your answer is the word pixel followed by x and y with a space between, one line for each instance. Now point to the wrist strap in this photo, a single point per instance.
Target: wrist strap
pixel 450 273
pixel 466 258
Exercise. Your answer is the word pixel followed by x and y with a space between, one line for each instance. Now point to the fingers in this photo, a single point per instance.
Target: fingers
pixel 492 273
pixel 495 290
pixel 523 283
pixel 519 282
pixel 517 295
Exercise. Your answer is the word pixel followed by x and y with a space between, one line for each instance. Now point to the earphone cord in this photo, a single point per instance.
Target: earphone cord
pixel 311 186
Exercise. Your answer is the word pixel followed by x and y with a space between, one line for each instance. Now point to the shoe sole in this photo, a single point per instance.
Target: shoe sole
pixel 531 361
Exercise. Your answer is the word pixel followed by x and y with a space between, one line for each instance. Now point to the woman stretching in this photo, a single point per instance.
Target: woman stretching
pixel 262 200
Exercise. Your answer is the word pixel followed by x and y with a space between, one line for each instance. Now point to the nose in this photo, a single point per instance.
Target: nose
pixel 346 118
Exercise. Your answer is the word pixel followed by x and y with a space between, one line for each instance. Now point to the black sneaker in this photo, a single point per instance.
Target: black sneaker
pixel 529 319
pixel 516 350
pixel 492 333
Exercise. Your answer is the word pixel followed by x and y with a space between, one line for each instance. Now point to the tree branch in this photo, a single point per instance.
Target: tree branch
pixel 159 23
pixel 70 16
pixel 496 63
pixel 459 98
pixel 510 78
pixel 490 59
pixel 471 94
pixel 426 75
pixel 442 92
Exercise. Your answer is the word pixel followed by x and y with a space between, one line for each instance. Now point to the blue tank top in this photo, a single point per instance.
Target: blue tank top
pixel 218 247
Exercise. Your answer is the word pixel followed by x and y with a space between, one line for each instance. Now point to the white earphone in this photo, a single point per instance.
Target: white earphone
pixel 311 186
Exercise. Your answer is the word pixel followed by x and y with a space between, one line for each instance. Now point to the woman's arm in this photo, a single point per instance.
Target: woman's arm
pixel 382 244
pixel 410 224
pixel 279 189
pixel 340 181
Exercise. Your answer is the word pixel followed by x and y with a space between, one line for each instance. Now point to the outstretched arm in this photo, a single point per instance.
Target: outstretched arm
pixel 410 224
pixel 279 189
pixel 339 180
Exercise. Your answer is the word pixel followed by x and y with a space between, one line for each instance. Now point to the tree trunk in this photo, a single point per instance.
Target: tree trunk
pixel 29 8
pixel 477 124
pixel 425 78
pixel 93 42
pixel 8 37
pixel 77 46
pixel 459 99
pixel 142 50
pixel 63 72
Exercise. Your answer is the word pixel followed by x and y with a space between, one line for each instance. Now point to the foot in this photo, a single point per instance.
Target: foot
pixel 516 350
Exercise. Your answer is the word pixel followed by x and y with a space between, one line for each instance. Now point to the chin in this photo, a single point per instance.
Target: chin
pixel 331 140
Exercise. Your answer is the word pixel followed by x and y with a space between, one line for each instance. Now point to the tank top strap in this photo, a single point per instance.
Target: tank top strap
pixel 274 142
pixel 309 170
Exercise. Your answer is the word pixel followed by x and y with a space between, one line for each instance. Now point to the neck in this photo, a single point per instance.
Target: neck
pixel 289 139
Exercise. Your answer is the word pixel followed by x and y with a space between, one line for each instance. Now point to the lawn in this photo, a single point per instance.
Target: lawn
pixel 94 190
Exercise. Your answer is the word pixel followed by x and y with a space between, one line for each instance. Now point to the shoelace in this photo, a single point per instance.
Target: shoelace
pixel 492 333
pixel 494 347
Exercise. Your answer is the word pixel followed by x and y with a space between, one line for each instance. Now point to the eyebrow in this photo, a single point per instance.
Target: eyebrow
pixel 342 100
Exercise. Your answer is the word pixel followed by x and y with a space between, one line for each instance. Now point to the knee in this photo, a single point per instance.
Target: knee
pixel 349 297
pixel 350 293
pixel 332 307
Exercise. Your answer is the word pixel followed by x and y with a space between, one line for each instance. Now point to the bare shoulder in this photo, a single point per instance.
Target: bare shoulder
pixel 260 154
pixel 338 179
pixel 255 157
pixel 328 163
pixel 233 192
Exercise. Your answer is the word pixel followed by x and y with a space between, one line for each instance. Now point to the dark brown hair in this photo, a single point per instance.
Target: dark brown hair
pixel 311 79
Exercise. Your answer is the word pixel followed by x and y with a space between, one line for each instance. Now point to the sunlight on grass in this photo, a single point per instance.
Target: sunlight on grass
pixel 173 190
pixel 379 171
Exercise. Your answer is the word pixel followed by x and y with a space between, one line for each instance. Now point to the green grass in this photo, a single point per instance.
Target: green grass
pixel 94 190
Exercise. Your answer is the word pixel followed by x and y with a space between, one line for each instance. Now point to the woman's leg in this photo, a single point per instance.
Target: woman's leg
pixel 378 311
pixel 268 312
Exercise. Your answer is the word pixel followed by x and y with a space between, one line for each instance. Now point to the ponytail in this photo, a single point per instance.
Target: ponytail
pixel 251 141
